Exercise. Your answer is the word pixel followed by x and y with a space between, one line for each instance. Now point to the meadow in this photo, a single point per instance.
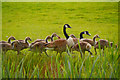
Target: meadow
pixel 40 19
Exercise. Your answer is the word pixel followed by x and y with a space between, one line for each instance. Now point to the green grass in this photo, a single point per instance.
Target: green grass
pixel 38 20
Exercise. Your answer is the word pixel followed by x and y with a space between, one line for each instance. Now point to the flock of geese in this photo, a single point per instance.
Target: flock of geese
pixel 60 45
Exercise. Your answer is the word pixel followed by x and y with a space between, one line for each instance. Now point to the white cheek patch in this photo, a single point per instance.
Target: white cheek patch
pixel 85 32
pixel 66 26
pixel 70 42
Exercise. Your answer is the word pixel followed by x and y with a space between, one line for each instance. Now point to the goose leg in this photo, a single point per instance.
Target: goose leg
pixel 95 51
pixel 46 53
pixel 18 52
pixel 90 53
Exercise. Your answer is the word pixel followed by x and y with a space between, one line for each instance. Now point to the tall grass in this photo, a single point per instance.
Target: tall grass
pixel 61 67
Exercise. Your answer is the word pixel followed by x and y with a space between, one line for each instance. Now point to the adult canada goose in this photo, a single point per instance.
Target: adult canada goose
pixel 39 46
pixel 72 41
pixel 21 44
pixel 9 40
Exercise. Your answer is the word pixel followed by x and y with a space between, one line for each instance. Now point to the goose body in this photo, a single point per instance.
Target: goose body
pixel 5 47
pixel 57 45
pixel 20 44
pixel 103 43
pixel 40 46
pixel 91 41
pixel 85 46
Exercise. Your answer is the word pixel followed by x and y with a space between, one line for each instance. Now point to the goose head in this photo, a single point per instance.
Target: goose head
pixel 27 38
pixel 67 26
pixel 96 36
pixel 86 32
pixel 55 35
pixel 48 37
pixel 11 38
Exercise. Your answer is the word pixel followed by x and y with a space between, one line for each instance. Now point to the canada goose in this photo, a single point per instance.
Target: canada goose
pixel 40 40
pixel 73 40
pixel 6 46
pixel 21 44
pixel 9 40
pixel 39 46
pixel 85 46
pixel 57 45
pixel 103 43
pixel 91 41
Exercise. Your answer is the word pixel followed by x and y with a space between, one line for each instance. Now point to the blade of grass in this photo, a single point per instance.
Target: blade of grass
pixel 93 66
pixel 34 71
pixel 82 66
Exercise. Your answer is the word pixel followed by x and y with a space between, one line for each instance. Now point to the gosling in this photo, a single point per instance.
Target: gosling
pixel 84 46
pixel 21 44
pixel 39 46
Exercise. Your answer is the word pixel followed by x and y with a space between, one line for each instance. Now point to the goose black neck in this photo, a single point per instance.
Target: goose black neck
pixel 9 41
pixel 81 35
pixel 26 41
pixel 94 39
pixel 66 35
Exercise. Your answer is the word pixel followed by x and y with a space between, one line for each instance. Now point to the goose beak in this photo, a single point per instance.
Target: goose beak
pixel 89 34
pixel 70 27
pixel 14 39
pixel 30 40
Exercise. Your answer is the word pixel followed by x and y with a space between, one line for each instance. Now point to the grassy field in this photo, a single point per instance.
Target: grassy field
pixel 40 19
